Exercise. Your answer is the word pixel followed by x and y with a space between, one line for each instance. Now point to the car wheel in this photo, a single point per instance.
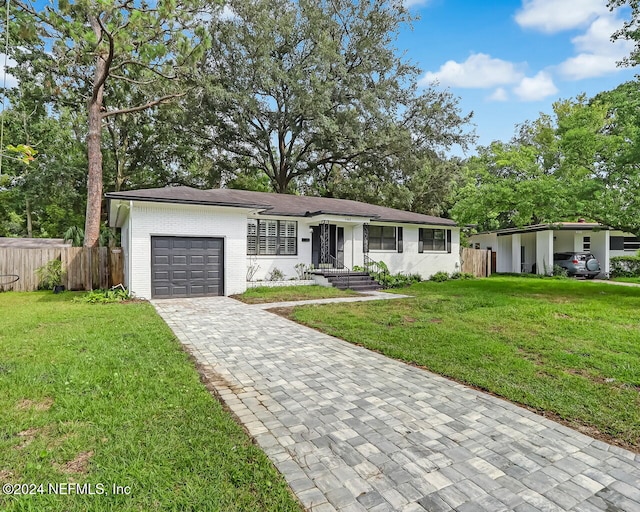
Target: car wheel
pixel 593 264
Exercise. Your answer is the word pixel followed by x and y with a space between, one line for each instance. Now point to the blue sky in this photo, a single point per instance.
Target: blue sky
pixel 509 60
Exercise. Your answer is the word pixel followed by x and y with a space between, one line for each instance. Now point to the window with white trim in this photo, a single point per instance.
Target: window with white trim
pixel 382 238
pixel 272 237
pixel 432 239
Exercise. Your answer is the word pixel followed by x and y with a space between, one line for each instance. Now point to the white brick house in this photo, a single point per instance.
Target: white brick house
pixel 180 241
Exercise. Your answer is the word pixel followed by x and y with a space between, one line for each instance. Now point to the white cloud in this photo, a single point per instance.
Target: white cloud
pixel 478 71
pixel 12 81
pixel 598 55
pixel 557 15
pixel 500 94
pixel 537 88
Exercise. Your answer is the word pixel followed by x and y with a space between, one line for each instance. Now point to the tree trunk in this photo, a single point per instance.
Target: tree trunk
pixel 29 221
pixel 94 150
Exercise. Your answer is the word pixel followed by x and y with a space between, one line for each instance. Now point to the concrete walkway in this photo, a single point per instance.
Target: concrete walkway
pixel 352 430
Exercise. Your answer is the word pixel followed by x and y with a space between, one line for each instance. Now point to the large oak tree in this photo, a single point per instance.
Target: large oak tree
pixel 314 95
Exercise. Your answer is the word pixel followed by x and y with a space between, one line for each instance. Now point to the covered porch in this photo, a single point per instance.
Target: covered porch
pixel 530 251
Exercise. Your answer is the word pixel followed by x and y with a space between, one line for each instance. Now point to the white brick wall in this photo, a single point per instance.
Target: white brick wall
pixel 157 219
pixel 147 219
pixel 410 261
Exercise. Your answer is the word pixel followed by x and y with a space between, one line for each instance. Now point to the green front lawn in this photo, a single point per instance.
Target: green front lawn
pixel 627 279
pixel 264 294
pixel 104 395
pixel 567 348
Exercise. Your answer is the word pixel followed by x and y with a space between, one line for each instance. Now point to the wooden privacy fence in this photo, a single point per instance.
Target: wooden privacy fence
pixel 100 267
pixel 476 261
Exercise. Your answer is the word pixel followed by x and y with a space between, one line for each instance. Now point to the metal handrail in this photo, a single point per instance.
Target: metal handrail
pixel 375 267
pixel 340 266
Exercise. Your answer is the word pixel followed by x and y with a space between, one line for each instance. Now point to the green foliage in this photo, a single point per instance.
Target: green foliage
pixel 580 161
pixel 559 271
pixel 398 280
pixel 439 277
pixel 461 275
pixel 75 235
pixel 108 296
pixel 625 266
pixel 50 275
pixel 313 96
pixel 302 270
pixel 275 275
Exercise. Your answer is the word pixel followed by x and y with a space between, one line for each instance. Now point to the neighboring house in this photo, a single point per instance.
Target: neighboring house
pixel 182 242
pixel 530 248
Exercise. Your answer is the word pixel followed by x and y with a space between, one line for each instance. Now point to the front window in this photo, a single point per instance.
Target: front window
pixel 382 238
pixel 432 240
pixel 272 237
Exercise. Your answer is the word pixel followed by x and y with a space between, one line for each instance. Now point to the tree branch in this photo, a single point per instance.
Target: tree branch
pixel 153 103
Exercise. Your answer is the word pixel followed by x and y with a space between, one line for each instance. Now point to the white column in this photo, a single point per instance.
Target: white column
pixel 600 249
pixel 516 261
pixel 544 252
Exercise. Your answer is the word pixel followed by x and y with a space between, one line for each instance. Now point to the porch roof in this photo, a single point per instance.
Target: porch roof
pixel 556 226
pixel 279 204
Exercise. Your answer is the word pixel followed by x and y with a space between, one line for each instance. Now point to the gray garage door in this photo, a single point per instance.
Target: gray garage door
pixel 186 267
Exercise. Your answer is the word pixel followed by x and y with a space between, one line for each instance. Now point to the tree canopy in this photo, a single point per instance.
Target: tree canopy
pixel 580 161
pixel 313 95
pixel 116 57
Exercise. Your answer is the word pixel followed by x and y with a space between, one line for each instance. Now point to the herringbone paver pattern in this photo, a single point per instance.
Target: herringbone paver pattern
pixel 352 430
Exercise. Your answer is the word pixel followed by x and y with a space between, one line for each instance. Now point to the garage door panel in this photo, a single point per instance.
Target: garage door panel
pixel 196 259
pixel 178 259
pixel 179 275
pixel 187 267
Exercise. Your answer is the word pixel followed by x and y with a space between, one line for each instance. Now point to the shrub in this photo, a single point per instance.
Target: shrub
pixel 302 270
pixel 625 266
pixel 116 294
pixel 439 277
pixel 276 275
pixel 462 276
pixel 50 275
pixel 560 272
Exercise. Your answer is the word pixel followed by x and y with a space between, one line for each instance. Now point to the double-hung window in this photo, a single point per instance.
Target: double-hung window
pixel 272 237
pixel 382 238
pixel 434 240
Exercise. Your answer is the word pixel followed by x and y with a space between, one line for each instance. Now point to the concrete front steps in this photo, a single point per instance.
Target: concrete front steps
pixel 356 281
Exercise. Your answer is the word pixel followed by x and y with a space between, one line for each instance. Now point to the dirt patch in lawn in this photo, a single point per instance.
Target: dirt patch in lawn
pixel 78 465
pixel 42 405
pixel 5 475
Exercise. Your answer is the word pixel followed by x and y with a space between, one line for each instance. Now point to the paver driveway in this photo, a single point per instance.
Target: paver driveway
pixel 353 430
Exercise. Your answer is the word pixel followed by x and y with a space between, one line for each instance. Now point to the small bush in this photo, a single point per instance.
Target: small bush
pixel 625 266
pixel 105 296
pixel 462 276
pixel 439 277
pixel 560 272
pixel 50 275
pixel 276 275
pixel 302 270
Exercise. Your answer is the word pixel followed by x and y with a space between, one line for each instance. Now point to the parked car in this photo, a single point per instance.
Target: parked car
pixel 578 264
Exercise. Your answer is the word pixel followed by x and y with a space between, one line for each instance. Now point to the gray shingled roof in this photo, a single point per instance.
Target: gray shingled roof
pixel 278 204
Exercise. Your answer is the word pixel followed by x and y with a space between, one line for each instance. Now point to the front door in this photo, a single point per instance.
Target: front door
pixel 334 240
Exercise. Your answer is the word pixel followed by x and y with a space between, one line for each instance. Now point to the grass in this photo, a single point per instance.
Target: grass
pixel 104 394
pixel 626 279
pixel 567 348
pixel 264 294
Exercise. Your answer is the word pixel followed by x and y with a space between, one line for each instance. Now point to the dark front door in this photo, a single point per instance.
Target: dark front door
pixel 186 267
pixel 335 241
